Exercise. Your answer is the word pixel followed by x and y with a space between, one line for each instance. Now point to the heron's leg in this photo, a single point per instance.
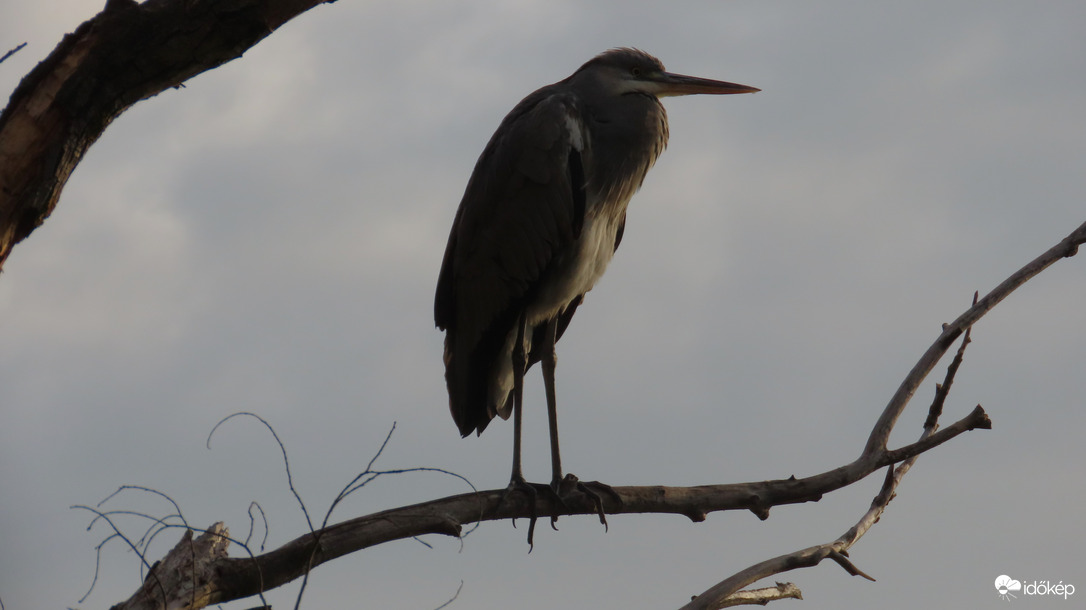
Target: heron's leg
pixel 519 364
pixel 563 485
pixel 548 361
pixel 516 479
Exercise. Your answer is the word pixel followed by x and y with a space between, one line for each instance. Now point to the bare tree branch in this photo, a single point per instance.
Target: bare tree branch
pixel 721 594
pixel 185 577
pixel 128 52
pixel 235 578
pixel 783 590
pixel 1067 248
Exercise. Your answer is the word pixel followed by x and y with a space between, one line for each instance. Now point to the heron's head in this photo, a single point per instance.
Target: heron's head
pixel 625 70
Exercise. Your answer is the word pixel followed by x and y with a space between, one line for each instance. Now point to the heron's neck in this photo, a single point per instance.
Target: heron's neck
pixel 626 141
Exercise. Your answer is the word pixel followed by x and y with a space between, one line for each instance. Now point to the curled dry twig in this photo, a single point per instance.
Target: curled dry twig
pixel 197 557
pixel 187 552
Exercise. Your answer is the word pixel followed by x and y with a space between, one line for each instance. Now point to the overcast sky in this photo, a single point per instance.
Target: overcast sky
pixel 268 238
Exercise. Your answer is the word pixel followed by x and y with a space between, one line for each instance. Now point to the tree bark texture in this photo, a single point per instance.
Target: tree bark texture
pixel 128 52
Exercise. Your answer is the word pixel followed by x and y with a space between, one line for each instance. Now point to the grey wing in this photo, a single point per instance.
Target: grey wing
pixel 523 204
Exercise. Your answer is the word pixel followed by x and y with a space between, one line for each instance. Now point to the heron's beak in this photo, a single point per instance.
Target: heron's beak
pixel 667 84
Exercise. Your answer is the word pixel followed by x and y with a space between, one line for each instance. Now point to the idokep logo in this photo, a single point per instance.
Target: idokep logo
pixel 1007 586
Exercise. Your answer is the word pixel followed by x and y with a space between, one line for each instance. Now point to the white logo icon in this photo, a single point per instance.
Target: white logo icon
pixel 1005 584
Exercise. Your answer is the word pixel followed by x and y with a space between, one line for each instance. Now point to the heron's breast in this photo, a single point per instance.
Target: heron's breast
pixel 577 269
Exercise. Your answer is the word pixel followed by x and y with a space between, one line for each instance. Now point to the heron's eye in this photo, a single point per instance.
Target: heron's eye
pixel 635 71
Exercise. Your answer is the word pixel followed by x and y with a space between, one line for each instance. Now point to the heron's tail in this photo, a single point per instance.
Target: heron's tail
pixel 467 382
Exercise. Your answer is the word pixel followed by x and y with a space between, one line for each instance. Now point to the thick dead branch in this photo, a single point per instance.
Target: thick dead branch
pixel 185 577
pixel 126 53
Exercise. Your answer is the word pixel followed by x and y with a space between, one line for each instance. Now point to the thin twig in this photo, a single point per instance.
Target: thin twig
pixel 252 524
pixel 282 449
pixel 942 390
pixel 2 59
pixel 134 547
pixel 97 565
pixel 450 600
pixel 158 525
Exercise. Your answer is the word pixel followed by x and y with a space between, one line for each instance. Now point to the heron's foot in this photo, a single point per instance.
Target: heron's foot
pixel 531 491
pixel 570 485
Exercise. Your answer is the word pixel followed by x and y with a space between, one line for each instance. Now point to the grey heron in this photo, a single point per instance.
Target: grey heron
pixel 542 215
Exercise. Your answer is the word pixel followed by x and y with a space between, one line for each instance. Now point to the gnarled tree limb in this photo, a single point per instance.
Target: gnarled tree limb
pixel 184 578
pixel 126 53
